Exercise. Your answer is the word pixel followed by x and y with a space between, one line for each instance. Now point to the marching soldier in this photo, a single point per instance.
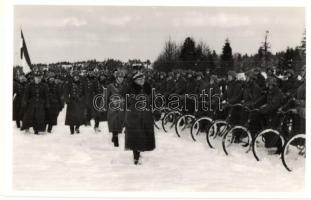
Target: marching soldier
pixel 115 104
pixel 100 115
pixel 35 102
pixel 139 134
pixel 55 102
pixel 76 103
pixel 19 85
pixel 91 88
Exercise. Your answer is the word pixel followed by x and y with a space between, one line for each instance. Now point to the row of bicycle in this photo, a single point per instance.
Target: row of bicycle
pixel 238 129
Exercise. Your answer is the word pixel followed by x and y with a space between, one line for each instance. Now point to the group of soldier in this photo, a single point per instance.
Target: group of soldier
pixel 40 97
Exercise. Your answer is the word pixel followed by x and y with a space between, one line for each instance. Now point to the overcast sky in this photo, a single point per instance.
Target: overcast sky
pixel 73 33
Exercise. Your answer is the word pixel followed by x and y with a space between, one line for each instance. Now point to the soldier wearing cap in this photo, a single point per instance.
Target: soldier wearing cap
pixel 91 84
pixel 19 84
pixel 35 102
pixel 115 114
pixel 56 104
pixel 139 134
pixel 76 103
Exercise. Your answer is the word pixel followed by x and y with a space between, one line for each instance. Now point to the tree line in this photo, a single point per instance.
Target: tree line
pixel 199 57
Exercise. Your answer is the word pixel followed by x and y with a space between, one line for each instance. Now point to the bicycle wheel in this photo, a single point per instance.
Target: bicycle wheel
pixel 200 125
pixel 184 124
pixel 169 120
pixel 237 139
pixel 267 142
pixel 215 133
pixel 294 152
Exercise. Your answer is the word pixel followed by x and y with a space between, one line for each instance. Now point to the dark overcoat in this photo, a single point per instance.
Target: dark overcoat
pixel 139 133
pixel 115 114
pixel 76 103
pixel 35 102
pixel 55 107
pixel 18 91
pixel 91 85
pixel 100 113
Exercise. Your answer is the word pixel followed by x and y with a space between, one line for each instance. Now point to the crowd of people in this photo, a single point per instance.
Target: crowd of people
pixel 39 97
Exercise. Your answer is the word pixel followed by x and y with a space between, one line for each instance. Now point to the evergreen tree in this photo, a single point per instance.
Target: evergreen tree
pixel 226 59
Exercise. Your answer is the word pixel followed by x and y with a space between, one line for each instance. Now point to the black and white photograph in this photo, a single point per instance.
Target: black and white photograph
pixel 156 98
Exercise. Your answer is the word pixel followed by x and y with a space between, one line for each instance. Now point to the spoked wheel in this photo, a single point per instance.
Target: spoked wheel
pixel 267 142
pixel 237 139
pixel 215 133
pixel 200 125
pixel 170 119
pixel 184 124
pixel 294 152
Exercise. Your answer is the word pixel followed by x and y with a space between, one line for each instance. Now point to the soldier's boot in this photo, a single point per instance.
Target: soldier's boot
pixel 18 124
pixel 71 130
pixel 50 128
pixel 136 155
pixel 77 129
pixel 115 139
pixel 97 130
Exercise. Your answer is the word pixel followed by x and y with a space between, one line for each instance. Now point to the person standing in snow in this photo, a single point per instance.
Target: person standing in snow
pixel 19 85
pixel 35 102
pixel 115 114
pixel 139 129
pixel 55 102
pixel 76 103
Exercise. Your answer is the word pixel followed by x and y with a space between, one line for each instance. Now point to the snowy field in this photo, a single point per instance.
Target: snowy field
pixel 89 162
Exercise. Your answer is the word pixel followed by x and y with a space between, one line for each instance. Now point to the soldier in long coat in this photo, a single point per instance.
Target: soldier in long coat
pixel 54 96
pixel 76 103
pixel 139 134
pixel 115 113
pixel 100 114
pixel 91 84
pixel 19 85
pixel 35 102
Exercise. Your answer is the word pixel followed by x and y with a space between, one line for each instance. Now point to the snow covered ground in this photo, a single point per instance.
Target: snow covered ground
pixel 89 162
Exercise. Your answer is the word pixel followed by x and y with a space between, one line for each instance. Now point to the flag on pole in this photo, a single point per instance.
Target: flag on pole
pixel 24 55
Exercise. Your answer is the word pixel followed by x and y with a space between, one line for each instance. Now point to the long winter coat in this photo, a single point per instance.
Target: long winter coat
pixel 116 112
pixel 35 102
pixel 76 103
pixel 91 85
pixel 55 104
pixel 100 114
pixel 139 134
pixel 18 91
